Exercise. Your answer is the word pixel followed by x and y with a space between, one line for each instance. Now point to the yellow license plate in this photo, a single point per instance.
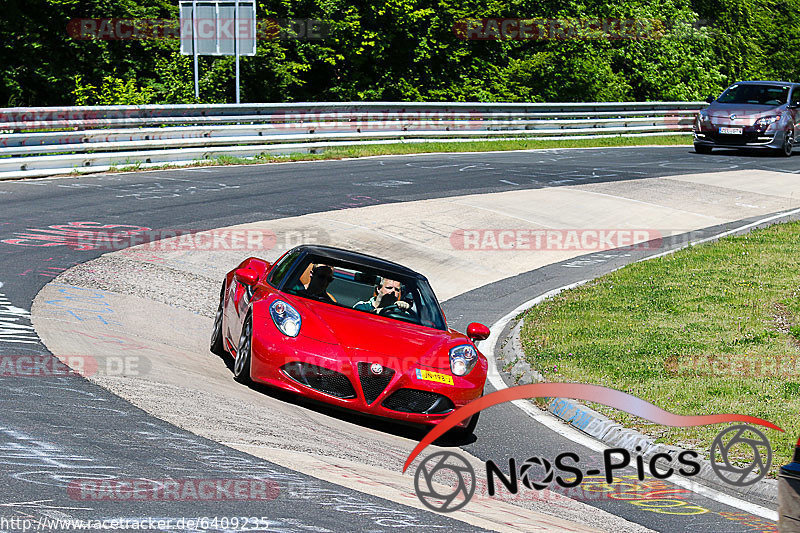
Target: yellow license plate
pixel 428 375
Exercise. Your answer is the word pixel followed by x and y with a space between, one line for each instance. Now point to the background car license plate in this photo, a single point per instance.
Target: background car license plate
pixel 427 375
pixel 730 131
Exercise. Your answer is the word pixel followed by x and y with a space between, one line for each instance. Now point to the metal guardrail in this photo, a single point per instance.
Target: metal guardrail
pixel 50 141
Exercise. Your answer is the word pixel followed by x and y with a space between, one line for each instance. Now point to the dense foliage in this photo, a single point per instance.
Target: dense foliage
pixel 404 50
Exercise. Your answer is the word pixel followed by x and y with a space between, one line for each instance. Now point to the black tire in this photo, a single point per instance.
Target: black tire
pixel 241 365
pixel 217 342
pixel 786 148
pixel 702 149
pixel 473 423
pixel 462 434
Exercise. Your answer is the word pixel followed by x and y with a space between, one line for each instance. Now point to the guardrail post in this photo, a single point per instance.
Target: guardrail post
pixel 789 495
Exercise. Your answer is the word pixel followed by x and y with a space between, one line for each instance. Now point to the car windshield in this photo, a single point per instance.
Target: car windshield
pixel 773 95
pixel 363 289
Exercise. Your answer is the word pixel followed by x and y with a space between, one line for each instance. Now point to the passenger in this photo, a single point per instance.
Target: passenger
pixel 387 292
pixel 317 286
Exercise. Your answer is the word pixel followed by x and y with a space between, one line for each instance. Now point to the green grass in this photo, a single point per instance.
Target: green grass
pixel 516 144
pixel 713 328
pixel 366 150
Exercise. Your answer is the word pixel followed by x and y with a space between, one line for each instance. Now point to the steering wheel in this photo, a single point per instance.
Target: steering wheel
pixel 394 311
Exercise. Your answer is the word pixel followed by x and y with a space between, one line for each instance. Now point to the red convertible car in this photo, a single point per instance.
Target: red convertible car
pixel 351 330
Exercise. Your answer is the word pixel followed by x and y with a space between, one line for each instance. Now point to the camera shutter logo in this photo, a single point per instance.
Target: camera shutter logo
pixel 456 477
pixel 736 438
pixel 528 477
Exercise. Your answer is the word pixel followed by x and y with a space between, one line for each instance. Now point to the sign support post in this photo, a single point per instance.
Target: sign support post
pixel 205 28
pixel 236 44
pixel 194 49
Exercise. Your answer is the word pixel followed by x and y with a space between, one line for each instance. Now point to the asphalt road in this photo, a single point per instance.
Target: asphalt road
pixel 59 429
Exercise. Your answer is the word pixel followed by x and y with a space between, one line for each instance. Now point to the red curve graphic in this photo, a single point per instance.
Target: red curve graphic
pixel 579 391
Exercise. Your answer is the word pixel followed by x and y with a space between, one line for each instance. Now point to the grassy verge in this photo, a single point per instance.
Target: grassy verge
pixel 711 329
pixel 343 152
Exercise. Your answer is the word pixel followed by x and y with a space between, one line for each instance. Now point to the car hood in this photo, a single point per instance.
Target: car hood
pixel 364 334
pixel 745 112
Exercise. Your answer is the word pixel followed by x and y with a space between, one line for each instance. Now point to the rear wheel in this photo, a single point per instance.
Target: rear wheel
pixel 217 342
pixel 702 149
pixel 241 365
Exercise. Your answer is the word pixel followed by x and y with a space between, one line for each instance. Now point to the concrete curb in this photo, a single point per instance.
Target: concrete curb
pixel 511 356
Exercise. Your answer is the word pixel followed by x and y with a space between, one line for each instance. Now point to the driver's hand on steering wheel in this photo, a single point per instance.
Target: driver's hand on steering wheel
pixel 403 305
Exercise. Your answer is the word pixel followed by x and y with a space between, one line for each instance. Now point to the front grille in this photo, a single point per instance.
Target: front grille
pixel 321 379
pixel 745 138
pixel 371 384
pixel 418 401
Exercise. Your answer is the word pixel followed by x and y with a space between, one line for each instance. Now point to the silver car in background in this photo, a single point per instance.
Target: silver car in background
pixel 750 114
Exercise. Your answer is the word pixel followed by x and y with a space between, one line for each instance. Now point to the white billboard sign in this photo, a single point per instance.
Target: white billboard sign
pixel 218 28
pixel 216 25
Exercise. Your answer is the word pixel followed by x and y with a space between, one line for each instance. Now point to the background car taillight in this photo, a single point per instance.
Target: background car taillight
pixel 286 318
pixel 462 359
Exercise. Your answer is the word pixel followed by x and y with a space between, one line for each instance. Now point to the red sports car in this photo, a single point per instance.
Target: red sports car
pixel 351 330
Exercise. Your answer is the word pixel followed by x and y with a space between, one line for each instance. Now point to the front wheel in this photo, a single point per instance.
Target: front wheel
pixel 786 148
pixel 702 149
pixel 241 365
pixel 463 434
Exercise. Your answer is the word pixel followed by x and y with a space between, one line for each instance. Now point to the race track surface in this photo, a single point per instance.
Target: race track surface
pixel 57 430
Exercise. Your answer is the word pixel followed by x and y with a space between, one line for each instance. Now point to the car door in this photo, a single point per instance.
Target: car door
pixel 241 295
pixel 237 301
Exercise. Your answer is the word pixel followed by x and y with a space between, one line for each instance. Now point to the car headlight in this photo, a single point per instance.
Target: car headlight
pixel 286 318
pixel 463 359
pixel 766 121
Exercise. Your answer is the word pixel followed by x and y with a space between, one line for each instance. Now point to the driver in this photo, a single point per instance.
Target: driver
pixel 387 292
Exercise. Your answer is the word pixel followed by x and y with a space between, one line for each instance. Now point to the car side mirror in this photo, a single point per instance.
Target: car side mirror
pixel 710 99
pixel 477 331
pixel 246 276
